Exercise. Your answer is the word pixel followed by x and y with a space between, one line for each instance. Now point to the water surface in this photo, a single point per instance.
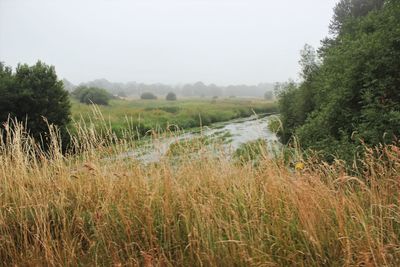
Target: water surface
pixel 237 132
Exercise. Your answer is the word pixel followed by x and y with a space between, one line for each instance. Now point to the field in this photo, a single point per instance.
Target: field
pixel 206 210
pixel 141 116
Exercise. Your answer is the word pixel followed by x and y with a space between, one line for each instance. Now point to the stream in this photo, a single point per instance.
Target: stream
pixel 237 132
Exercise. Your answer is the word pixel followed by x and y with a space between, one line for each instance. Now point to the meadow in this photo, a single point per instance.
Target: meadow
pixel 207 210
pixel 141 116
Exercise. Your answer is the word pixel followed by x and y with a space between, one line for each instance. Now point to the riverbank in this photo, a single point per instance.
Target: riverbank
pixel 138 117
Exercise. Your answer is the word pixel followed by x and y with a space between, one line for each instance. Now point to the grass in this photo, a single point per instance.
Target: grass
pixel 89 210
pixel 142 116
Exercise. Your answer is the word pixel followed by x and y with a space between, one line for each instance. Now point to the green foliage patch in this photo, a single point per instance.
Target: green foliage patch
pixel 92 95
pixel 34 96
pixel 350 89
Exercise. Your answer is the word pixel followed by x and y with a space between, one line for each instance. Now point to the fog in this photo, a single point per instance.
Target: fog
pixel 167 41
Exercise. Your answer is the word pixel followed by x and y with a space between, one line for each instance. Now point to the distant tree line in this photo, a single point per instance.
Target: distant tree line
pixel 198 89
pixel 350 89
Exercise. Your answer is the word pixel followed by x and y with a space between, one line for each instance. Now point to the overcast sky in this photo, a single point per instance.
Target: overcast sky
pixel 167 41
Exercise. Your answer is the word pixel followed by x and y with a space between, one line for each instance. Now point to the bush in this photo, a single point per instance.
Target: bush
pixel 171 96
pixel 148 95
pixel 92 95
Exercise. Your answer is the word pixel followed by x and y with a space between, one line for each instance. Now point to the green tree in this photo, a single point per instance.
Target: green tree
pixel 148 96
pixel 171 96
pixel 33 94
pixel 92 95
pixel 353 95
pixel 308 62
pixel 347 10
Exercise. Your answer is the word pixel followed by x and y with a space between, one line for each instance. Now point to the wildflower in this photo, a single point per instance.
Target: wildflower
pixel 299 166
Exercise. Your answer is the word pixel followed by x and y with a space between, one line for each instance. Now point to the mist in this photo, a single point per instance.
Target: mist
pixel 172 42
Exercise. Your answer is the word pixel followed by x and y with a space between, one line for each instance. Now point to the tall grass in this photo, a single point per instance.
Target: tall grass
pixel 90 210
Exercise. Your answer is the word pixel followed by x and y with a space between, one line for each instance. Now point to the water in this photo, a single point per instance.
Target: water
pixel 238 132
pixel 244 131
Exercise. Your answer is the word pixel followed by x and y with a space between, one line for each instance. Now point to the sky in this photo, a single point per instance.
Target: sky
pixel 164 41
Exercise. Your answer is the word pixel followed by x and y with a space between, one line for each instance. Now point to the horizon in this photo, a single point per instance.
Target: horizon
pixel 160 83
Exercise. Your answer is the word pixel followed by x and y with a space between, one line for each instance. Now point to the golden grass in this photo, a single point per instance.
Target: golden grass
pixel 89 210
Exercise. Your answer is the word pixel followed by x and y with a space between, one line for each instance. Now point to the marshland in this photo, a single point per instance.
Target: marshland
pixel 171 171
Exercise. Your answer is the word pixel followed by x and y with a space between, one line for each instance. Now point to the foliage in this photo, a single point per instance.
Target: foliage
pixel 148 96
pixel 352 97
pixel 274 124
pixel 171 96
pixel 34 96
pixel 346 10
pixel 92 95
pixel 251 152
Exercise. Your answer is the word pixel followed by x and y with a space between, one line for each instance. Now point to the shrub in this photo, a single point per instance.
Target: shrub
pixel 171 96
pixel 148 95
pixel 92 95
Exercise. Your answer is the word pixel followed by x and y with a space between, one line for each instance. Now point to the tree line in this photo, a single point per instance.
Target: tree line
pixel 198 89
pixel 349 94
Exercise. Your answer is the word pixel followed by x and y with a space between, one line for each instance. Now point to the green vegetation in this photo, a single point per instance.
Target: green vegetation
pixel 98 205
pixel 148 96
pixel 193 145
pixel 171 96
pixel 350 90
pixel 34 96
pixel 139 117
pixel 251 152
pixel 92 95
pixel 274 124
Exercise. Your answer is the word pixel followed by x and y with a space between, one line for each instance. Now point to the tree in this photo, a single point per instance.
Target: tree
pixel 92 95
pixel 171 96
pixel 33 94
pixel 347 10
pixel 352 97
pixel 148 96
pixel 308 61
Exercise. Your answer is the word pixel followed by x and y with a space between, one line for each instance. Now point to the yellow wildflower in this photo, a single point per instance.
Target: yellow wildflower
pixel 299 166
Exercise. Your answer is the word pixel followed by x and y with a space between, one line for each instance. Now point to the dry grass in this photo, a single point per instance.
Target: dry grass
pixel 87 210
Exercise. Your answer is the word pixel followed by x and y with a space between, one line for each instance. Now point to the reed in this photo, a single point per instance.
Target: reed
pixel 92 209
